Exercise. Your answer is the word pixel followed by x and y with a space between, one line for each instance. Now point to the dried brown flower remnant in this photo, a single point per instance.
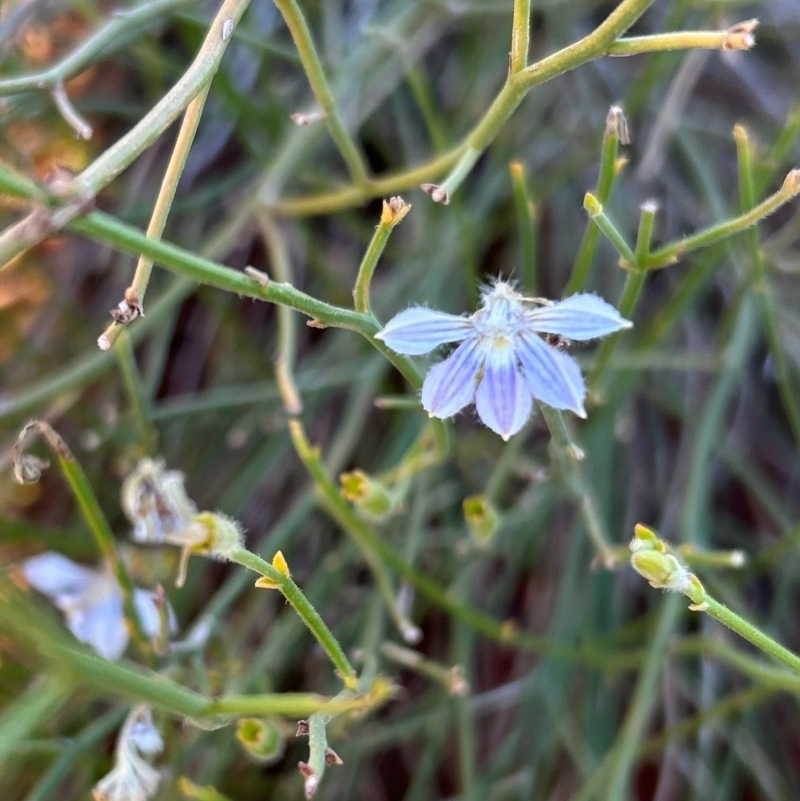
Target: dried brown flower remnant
pixel 740 36
pixel 437 193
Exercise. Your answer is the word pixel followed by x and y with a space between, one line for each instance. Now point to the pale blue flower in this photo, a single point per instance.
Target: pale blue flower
pixel 132 778
pixel 502 363
pixel 91 601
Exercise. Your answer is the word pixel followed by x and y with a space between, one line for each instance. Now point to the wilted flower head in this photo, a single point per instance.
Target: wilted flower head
pixel 156 503
pixel 132 778
pixel 91 601
pixel 502 363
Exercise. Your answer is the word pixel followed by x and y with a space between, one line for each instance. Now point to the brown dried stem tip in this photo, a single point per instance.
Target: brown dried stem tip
pixel 437 193
pixel 394 211
pixel 617 125
pixel 740 36
pixel 791 184
pixel 302 119
pixel 128 309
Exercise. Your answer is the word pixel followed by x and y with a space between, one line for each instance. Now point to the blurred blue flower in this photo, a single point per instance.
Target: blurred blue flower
pixel 132 778
pixel 502 363
pixel 91 601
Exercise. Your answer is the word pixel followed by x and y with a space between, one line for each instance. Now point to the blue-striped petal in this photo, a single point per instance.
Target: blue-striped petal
pixel 450 385
pixel 579 317
pixel 553 377
pixel 419 330
pixel 503 399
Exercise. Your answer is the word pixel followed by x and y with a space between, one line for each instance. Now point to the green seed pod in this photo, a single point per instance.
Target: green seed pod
pixel 371 497
pixel 482 519
pixel 262 738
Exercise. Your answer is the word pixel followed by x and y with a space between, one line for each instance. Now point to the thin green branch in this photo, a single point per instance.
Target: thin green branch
pixel 135 390
pixel 598 216
pixel 113 35
pixel 27 469
pixel 284 361
pixel 393 212
pixel 616 132
pixel 83 188
pixel 506 633
pixel 761 287
pixel 282 581
pixel 164 200
pixel 293 16
pixel 527 227
pixel 520 35
pixel 631 292
pixel 739 37
pixel 669 254
pixel 570 457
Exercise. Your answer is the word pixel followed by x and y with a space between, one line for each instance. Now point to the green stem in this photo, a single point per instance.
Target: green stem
pixel 369 263
pixel 281 268
pixel 670 253
pixel 92 514
pixel 682 40
pixel 135 390
pixel 335 504
pixel 520 83
pixel 520 35
pixel 748 631
pixel 641 705
pixel 106 228
pixel 87 740
pixel 301 605
pixel 605 183
pixel 293 16
pixel 631 292
pixel 115 34
pixel 598 216
pixel 35 705
pixel 570 460
pixel 761 288
pixel 363 533
pixel 164 200
pixel 526 225
pixel 40 224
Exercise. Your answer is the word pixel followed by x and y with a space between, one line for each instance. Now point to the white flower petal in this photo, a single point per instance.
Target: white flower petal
pixel 579 317
pixel 419 330
pixel 148 613
pixel 553 377
pixel 57 577
pixel 450 385
pixel 503 399
pixel 101 625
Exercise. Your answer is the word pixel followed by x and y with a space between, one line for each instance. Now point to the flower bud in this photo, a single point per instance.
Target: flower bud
pixel 262 739
pixel 482 519
pixel 370 496
pixel 281 565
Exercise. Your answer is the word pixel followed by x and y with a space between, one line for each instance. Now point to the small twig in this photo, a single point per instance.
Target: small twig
pixel 69 113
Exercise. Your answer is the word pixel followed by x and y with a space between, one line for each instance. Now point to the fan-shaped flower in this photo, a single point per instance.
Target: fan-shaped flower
pixel 91 601
pixel 502 363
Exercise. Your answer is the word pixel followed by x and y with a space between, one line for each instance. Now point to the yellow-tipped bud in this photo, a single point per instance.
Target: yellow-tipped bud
pixel 592 205
pixel 651 559
pixel 262 739
pixel 394 210
pixel 482 519
pixel 282 566
pixel 371 497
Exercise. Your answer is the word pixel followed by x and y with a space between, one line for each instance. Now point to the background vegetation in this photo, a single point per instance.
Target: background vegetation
pixel 579 680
